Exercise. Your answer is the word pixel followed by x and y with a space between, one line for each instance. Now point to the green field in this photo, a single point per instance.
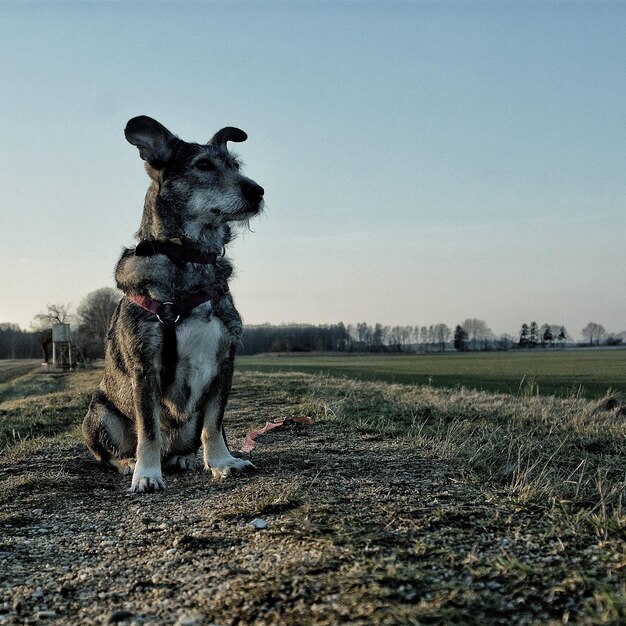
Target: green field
pixel 590 373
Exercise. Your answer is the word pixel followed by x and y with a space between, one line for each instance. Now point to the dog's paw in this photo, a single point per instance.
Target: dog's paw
pixel 125 467
pixel 147 484
pixel 179 464
pixel 230 467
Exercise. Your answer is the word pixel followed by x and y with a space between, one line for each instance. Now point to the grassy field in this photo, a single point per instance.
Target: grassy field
pixel 12 369
pixel 589 373
pixel 399 504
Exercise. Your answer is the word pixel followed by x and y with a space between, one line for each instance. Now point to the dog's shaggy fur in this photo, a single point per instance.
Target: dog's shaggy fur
pixel 166 381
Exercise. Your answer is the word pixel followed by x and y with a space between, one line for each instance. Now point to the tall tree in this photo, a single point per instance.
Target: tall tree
pixel 594 332
pixel 442 334
pixel 479 334
pixel 533 334
pixel 361 333
pixel 505 342
pixel 524 334
pixel 424 337
pixel 395 338
pixel 406 337
pixel 377 337
pixel 342 338
pixel 546 335
pixel 460 339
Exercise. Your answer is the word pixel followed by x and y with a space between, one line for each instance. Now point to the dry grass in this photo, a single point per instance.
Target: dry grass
pixel 558 453
pixel 41 404
pixel 399 505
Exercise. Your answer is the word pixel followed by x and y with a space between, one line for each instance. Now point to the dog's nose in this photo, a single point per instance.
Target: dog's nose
pixel 252 191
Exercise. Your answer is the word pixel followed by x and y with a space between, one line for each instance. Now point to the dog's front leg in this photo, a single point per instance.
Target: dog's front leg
pixel 216 455
pixel 147 477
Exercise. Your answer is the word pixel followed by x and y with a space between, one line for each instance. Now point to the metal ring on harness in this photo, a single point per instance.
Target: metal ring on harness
pixel 167 321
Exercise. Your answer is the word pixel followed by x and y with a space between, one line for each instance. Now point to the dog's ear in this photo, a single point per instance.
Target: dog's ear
pixel 154 141
pixel 230 133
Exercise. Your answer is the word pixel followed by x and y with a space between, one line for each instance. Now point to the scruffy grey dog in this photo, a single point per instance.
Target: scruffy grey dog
pixel 171 345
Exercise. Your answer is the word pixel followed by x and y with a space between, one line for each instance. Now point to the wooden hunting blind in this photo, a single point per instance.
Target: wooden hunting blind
pixel 62 346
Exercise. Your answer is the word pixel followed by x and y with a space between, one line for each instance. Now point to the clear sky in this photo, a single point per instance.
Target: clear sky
pixel 423 162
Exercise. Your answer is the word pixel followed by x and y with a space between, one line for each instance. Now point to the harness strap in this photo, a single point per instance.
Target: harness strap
pixel 169 313
pixel 172 312
pixel 169 356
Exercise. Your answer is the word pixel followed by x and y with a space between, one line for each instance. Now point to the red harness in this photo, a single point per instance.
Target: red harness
pixel 172 312
pixel 179 251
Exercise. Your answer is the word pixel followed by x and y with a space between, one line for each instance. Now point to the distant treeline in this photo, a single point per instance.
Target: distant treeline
pixel 294 338
pixel 90 324
pixel 363 337
pixel 16 343
pixel 472 335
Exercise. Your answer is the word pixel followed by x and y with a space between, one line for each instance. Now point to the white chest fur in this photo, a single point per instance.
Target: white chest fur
pixel 200 343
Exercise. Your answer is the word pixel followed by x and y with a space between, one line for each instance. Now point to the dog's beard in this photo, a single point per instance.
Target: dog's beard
pixel 241 216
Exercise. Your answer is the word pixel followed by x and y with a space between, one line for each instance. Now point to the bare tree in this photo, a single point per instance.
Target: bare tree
pixel 94 318
pixel 594 332
pixel 479 335
pixel 415 336
pixel 424 336
pixel 395 338
pixel 505 341
pixel 442 334
pixel 406 337
pixel 361 329
pixel 55 314
pixel 377 337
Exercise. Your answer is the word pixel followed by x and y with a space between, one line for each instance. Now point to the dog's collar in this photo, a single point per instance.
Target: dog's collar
pixel 173 312
pixel 178 250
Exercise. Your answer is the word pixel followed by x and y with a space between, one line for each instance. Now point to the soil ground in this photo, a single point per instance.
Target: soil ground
pixel 364 525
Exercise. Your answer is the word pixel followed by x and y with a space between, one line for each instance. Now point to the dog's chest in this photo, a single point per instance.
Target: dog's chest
pixel 201 346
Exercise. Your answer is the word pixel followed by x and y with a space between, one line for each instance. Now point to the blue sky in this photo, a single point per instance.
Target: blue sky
pixel 423 162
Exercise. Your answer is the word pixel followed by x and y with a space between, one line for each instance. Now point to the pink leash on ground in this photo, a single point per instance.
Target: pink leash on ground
pixel 248 444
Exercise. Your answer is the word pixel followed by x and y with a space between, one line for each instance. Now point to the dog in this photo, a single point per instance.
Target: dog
pixel 172 340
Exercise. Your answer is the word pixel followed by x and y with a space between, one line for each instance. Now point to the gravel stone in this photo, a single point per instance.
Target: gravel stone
pixel 119 616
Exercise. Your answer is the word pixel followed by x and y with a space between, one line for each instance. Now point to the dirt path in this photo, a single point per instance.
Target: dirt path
pixel 361 529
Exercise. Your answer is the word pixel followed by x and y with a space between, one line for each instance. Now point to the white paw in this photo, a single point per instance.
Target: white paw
pixel 181 463
pixel 231 466
pixel 147 484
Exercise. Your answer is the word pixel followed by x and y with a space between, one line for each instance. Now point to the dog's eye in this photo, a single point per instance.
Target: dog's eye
pixel 236 166
pixel 205 165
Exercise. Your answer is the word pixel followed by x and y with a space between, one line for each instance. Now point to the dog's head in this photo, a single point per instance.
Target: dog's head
pixel 199 186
